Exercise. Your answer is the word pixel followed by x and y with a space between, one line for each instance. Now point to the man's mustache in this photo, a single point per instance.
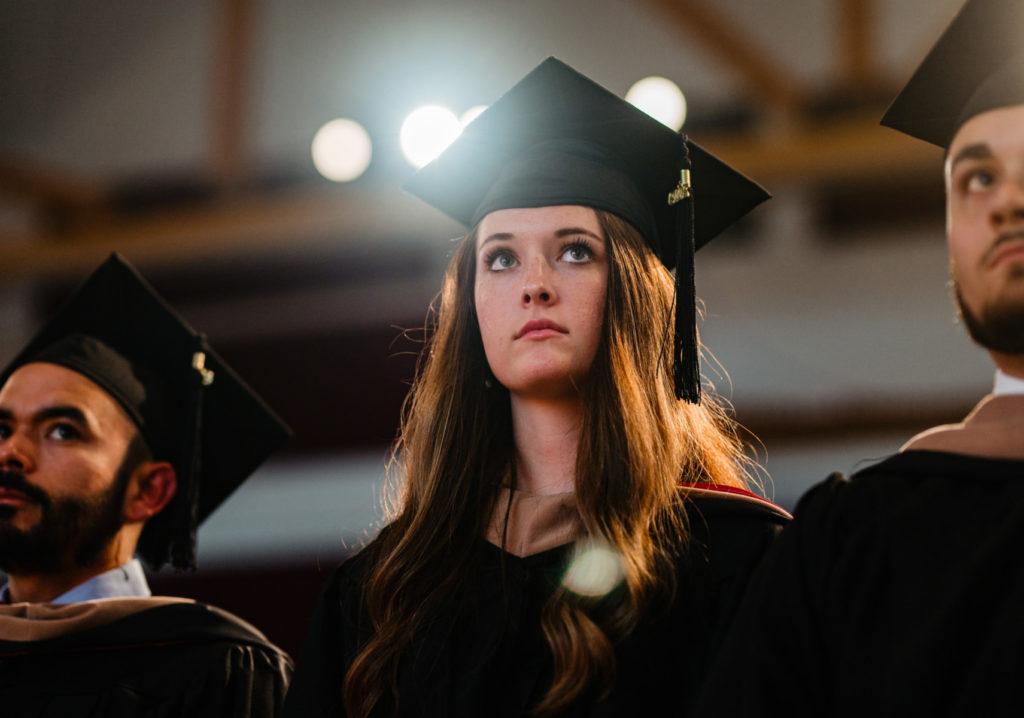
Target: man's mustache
pixel 1001 240
pixel 17 482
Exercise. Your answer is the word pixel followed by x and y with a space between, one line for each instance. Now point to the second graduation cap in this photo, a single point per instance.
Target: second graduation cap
pixel 976 65
pixel 559 138
pixel 191 408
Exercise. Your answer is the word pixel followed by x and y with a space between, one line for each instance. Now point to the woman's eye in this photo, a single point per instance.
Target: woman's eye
pixel 501 261
pixel 578 252
pixel 64 432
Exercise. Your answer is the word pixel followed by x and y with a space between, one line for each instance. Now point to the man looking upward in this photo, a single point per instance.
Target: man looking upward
pixel 120 431
pixel 900 591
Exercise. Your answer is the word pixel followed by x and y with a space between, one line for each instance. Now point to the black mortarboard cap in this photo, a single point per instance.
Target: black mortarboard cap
pixel 556 138
pixel 190 407
pixel 977 65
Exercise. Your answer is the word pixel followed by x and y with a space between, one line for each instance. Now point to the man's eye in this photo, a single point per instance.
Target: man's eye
pixel 5 431
pixel 64 432
pixel 979 181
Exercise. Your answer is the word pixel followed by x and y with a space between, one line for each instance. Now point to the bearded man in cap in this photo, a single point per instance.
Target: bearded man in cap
pixel 900 591
pixel 120 431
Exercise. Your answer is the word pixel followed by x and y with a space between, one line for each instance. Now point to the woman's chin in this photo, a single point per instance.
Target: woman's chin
pixel 543 384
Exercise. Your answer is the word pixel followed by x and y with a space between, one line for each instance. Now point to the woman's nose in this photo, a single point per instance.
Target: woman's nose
pixel 538 287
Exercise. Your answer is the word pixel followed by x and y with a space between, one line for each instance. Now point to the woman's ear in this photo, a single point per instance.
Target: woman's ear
pixel 151 487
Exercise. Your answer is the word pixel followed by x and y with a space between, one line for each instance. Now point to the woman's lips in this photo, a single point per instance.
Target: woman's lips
pixel 540 329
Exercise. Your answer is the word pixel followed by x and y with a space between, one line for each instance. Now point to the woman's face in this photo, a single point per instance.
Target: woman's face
pixel 541 278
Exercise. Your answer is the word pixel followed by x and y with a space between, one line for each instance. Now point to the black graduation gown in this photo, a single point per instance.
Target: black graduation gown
pixel 898 592
pixel 487 657
pixel 177 660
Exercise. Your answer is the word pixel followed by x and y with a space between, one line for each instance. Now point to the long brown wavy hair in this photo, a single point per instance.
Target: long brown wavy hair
pixel 455 450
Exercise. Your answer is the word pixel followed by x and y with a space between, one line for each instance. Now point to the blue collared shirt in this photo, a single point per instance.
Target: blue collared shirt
pixel 126 581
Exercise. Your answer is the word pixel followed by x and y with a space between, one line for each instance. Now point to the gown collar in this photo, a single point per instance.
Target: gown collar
pixel 540 522
pixel 125 581
pixel 533 523
pixel 722 493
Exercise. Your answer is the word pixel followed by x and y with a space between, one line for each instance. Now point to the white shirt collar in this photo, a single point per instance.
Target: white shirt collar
pixel 1006 384
pixel 126 581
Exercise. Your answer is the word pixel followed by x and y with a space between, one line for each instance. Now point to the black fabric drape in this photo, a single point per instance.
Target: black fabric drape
pixel 179 660
pixel 486 656
pixel 898 592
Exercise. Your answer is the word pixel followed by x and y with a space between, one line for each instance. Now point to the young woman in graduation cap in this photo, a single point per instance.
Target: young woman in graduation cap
pixel 574 526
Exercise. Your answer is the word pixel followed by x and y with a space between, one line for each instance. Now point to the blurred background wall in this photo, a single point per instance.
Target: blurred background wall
pixel 180 135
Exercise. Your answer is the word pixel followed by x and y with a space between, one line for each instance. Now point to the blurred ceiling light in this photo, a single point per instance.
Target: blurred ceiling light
pixel 661 99
pixel 471 114
pixel 342 150
pixel 426 133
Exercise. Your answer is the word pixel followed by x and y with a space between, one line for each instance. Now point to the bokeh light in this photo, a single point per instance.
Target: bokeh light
pixel 595 569
pixel 342 150
pixel 426 133
pixel 660 98
pixel 471 114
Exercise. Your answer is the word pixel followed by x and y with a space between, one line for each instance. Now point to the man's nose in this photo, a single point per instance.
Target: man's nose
pixel 1008 209
pixel 16 452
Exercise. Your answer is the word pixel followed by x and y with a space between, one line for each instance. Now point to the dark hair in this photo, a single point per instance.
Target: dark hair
pixel 455 451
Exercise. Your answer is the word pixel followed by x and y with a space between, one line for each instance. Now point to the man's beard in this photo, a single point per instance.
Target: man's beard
pixel 85 526
pixel 999 327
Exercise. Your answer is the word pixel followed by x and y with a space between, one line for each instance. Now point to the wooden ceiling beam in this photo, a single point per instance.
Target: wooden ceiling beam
pixel 851 148
pixel 857 61
pixel 233 54
pixel 297 222
pixel 31 182
pixel 840 419
pixel 765 78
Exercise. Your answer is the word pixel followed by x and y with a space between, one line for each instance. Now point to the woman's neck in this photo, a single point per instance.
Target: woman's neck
pixel 546 433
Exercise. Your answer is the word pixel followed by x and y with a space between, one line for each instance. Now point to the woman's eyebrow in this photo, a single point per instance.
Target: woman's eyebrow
pixel 567 231
pixel 498 237
pixel 563 232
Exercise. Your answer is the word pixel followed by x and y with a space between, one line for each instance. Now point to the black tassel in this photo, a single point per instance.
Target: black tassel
pixel 183 539
pixel 685 360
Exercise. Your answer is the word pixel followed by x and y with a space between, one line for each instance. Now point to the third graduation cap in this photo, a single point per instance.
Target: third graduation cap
pixel 559 138
pixel 977 65
pixel 191 408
